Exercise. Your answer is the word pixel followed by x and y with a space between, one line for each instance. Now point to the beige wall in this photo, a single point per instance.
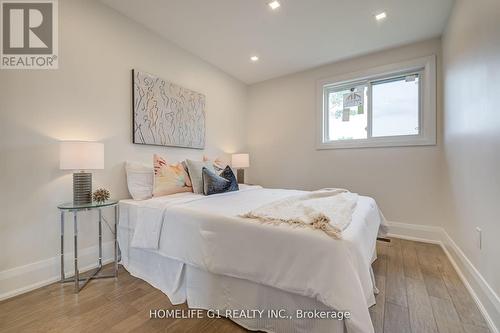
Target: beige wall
pixel 89 98
pixel 405 181
pixel 471 48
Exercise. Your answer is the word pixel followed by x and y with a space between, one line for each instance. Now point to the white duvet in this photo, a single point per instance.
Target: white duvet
pixel 206 232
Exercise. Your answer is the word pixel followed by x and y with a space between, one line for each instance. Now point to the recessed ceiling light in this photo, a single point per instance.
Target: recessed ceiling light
pixel 254 58
pixel 381 16
pixel 274 4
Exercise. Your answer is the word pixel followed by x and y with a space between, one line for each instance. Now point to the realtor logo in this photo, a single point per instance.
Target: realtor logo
pixel 29 35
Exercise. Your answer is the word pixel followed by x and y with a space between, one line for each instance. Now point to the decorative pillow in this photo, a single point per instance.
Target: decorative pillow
pixel 213 183
pixel 195 173
pixel 228 174
pixel 139 180
pixel 169 178
pixel 218 163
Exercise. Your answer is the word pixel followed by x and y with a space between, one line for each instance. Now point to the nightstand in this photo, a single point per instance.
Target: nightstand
pixel 75 209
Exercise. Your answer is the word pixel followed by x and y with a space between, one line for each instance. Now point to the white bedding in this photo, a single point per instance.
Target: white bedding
pixel 205 232
pixel 203 290
pixel 328 210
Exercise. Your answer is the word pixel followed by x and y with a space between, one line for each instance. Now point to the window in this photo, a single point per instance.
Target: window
pixel 396 106
pixel 388 106
pixel 347 112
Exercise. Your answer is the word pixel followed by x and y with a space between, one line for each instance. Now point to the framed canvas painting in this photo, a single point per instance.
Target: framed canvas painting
pixel 166 114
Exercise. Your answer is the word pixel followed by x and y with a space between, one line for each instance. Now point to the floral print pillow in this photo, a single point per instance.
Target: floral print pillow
pixel 169 178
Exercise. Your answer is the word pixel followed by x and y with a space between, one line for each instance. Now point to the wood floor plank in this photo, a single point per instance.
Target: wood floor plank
pixel 475 329
pixel 129 324
pixel 463 302
pixel 429 266
pixel 427 298
pixel 14 308
pixel 419 307
pixel 411 266
pixel 153 325
pixel 450 276
pixel 396 319
pixel 102 317
pixel 395 280
pixel 446 316
pixel 466 308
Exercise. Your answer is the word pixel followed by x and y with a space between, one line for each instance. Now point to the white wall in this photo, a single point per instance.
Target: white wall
pixel 471 53
pixel 455 184
pixel 89 98
pixel 405 181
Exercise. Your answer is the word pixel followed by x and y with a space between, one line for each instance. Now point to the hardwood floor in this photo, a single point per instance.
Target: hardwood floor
pixel 419 292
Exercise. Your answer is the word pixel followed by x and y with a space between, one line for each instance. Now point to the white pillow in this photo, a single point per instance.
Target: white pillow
pixel 195 173
pixel 139 180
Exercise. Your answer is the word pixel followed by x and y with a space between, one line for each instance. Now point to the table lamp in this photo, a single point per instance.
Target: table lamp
pixel 239 162
pixel 81 156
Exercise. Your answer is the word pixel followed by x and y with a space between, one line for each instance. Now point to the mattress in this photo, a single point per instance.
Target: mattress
pixel 205 233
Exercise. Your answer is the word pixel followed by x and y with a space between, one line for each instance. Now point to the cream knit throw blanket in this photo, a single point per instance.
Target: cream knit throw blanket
pixel 329 210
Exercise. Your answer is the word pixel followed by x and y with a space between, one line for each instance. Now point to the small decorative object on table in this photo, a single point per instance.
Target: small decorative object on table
pixel 100 195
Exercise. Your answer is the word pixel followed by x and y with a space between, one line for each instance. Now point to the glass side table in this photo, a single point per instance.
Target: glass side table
pixel 73 208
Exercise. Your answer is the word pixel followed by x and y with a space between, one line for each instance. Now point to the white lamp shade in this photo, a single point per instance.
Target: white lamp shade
pixel 240 161
pixel 81 155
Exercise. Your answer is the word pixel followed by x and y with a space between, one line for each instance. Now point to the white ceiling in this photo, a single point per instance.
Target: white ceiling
pixel 301 34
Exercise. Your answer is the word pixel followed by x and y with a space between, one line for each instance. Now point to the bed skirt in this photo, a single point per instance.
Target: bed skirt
pixel 205 290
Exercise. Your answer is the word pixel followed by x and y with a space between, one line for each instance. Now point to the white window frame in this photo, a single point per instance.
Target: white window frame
pixel 425 67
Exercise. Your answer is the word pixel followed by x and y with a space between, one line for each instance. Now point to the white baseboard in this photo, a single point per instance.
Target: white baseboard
pixel 485 297
pixel 19 280
pixel 415 232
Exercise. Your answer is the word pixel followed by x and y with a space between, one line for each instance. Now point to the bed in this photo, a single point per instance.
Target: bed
pixel 197 249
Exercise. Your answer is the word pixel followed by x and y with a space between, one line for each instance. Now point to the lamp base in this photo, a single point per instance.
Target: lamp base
pixel 82 188
pixel 240 176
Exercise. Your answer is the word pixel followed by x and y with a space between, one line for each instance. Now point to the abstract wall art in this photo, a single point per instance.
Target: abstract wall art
pixel 166 114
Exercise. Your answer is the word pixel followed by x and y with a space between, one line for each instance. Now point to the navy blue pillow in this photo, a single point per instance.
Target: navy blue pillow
pixel 229 175
pixel 213 183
